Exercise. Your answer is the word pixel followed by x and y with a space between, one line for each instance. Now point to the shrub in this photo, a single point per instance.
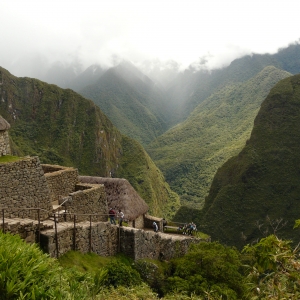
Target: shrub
pixel 27 273
pixel 118 273
pixel 273 270
pixel 208 267
pixel 152 274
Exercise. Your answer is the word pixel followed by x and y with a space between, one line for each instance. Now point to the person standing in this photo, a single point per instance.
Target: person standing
pixel 121 217
pixel 155 227
pixel 112 215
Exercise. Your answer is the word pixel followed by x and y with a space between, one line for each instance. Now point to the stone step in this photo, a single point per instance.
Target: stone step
pixel 56 206
pixel 18 222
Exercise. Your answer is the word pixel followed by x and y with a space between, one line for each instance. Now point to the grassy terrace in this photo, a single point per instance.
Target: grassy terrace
pixel 8 158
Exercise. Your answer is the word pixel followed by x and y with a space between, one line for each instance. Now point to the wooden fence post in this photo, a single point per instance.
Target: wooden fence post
pixel 3 223
pixel 39 227
pixel 74 234
pixel 90 233
pixel 56 236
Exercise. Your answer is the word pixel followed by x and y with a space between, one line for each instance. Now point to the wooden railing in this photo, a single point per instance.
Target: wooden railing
pixel 55 220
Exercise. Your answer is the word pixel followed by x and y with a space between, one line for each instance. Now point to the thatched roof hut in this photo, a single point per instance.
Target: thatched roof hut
pixel 121 195
pixel 4 125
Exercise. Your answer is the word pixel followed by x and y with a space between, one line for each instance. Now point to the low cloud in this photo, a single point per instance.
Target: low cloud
pixel 207 34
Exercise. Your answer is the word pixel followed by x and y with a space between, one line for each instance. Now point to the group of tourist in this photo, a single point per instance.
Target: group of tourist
pixel 113 214
pixel 188 228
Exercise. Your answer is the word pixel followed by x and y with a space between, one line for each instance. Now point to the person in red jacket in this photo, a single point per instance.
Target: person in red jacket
pixel 112 215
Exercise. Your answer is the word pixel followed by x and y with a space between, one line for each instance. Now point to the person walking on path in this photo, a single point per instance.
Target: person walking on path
pixel 121 217
pixel 155 227
pixel 112 215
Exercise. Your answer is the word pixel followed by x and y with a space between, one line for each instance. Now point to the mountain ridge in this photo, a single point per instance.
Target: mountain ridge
pixel 258 189
pixel 131 100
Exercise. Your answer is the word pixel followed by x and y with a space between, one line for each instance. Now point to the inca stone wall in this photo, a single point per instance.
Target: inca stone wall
pixel 100 238
pixel 23 184
pixel 61 180
pixel 88 199
pixel 103 238
pixel 140 244
pixel 4 143
pixel 26 228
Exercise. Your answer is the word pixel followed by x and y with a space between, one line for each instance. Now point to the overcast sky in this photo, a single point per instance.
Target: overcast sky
pixel 35 31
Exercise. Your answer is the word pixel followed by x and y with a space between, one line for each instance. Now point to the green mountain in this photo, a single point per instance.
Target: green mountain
pixel 133 102
pixel 190 153
pixel 62 127
pixel 257 192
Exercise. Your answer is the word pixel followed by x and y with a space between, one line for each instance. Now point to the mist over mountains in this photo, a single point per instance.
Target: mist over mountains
pixel 193 123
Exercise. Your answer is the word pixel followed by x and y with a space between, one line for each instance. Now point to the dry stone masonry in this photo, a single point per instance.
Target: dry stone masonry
pixel 23 184
pixel 107 240
pixel 4 137
pixel 86 200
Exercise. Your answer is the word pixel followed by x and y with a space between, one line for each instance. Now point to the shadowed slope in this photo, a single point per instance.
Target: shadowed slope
pixel 261 184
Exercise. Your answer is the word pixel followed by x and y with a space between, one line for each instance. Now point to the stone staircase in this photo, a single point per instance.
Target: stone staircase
pixel 59 211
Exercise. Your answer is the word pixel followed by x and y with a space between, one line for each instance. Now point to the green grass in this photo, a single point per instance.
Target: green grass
pixel 8 158
pixel 89 262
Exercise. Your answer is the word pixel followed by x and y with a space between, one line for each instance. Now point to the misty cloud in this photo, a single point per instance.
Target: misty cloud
pixel 35 34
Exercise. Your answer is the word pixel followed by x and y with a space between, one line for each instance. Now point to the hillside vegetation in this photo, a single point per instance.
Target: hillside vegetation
pixel 267 270
pixel 147 179
pixel 257 192
pixel 190 153
pixel 62 127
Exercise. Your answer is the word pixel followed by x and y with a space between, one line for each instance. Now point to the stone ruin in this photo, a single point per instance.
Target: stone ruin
pixel 62 211
pixel 4 137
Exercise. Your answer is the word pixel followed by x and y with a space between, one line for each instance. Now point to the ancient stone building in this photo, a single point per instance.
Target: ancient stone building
pixel 121 195
pixel 4 138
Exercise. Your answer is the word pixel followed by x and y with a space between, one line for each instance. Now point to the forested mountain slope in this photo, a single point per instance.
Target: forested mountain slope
pixel 62 127
pixel 190 153
pixel 133 102
pixel 261 185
